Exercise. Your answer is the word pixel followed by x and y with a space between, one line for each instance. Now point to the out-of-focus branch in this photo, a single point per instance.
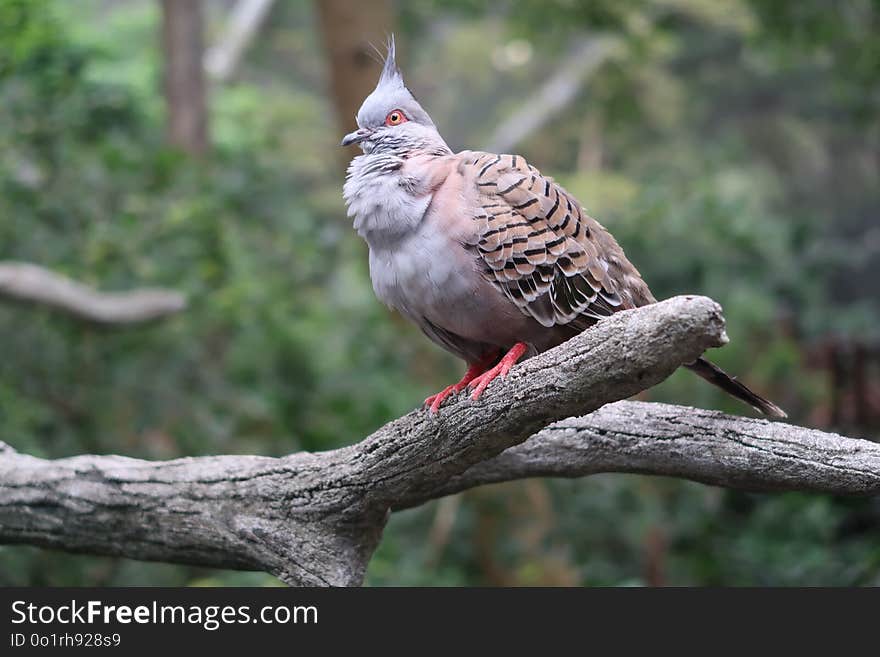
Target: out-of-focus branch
pixel 245 20
pixel 585 57
pixel 29 283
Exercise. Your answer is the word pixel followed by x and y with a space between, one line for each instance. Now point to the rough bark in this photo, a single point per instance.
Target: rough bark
pixel 316 518
pixel 27 283
pixel 187 121
pixel 688 443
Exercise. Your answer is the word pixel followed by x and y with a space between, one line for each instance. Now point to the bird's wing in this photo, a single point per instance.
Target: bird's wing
pixel 537 246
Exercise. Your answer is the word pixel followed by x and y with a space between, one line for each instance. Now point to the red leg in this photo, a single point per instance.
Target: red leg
pixel 473 371
pixel 480 382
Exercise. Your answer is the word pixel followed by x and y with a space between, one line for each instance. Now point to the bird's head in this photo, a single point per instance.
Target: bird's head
pixel 391 119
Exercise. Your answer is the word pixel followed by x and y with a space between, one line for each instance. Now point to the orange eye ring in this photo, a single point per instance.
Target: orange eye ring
pixel 395 117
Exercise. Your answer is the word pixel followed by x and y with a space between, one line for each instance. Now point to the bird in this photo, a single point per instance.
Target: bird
pixel 494 261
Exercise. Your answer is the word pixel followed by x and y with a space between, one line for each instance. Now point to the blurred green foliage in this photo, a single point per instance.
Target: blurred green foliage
pixel 731 148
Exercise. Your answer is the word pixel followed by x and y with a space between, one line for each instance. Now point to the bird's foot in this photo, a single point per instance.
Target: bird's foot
pixel 481 382
pixel 434 401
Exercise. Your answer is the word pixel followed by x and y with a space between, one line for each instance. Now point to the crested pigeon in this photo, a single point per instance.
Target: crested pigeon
pixel 493 260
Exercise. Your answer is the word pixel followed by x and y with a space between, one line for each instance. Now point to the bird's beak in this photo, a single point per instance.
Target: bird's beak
pixel 355 137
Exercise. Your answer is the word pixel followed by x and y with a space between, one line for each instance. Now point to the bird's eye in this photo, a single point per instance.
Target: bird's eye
pixel 395 117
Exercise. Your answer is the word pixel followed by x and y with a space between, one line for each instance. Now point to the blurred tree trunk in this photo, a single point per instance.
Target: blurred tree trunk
pixel 348 28
pixel 187 126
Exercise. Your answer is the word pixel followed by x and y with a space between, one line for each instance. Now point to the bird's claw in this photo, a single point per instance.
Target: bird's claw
pixel 435 401
pixel 481 382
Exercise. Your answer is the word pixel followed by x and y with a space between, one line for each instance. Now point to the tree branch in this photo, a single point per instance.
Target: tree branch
pixel 29 283
pixel 317 518
pixel 586 55
pixel 689 443
pixel 243 25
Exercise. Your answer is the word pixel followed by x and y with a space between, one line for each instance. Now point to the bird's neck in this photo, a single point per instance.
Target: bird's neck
pixel 388 195
pixel 406 146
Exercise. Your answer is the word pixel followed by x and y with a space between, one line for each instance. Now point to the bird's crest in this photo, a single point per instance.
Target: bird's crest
pixel 390 71
pixel 390 94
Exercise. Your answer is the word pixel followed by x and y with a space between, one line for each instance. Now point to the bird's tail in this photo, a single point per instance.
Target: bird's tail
pixel 718 377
